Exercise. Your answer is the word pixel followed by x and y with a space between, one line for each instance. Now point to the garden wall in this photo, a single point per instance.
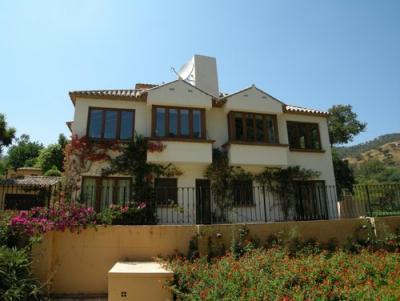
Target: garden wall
pixel 78 263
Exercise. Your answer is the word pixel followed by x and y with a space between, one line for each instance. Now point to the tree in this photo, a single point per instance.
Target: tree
pixel 343 124
pixel 24 152
pixel 344 174
pixel 7 134
pixel 53 155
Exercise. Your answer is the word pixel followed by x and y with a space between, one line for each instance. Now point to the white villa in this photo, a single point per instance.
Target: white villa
pixel 191 116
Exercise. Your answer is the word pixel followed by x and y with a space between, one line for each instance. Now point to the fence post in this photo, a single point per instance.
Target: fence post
pixel 368 201
pixel 49 197
pixel 265 205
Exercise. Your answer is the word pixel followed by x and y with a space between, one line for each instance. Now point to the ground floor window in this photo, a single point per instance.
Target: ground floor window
pixel 100 192
pixel 310 200
pixel 166 191
pixel 243 193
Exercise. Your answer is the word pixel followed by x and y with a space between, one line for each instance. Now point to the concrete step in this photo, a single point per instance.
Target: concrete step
pixel 131 281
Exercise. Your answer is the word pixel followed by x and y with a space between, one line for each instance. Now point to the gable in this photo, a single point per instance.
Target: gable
pixel 253 100
pixel 179 93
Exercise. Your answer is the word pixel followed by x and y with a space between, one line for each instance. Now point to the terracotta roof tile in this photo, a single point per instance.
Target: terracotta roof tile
pixel 296 109
pixel 31 180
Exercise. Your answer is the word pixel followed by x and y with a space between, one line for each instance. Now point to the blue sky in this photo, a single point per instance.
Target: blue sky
pixel 310 53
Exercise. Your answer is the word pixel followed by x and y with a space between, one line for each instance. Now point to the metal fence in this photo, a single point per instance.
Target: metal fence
pixel 26 196
pixel 257 204
pixel 239 204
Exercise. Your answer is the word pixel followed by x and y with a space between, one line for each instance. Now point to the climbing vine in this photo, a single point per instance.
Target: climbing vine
pixel 222 176
pixel 80 154
pixel 280 182
pixel 132 161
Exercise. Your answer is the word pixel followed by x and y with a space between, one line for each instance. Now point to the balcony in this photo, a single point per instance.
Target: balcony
pixel 261 154
pixel 192 151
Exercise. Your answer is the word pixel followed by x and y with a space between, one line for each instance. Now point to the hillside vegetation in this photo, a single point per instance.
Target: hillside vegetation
pixel 375 144
pixel 375 161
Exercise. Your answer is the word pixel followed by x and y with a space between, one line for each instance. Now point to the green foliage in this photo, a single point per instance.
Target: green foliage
pixel 3 166
pixel 343 124
pixel 24 152
pixel 7 134
pixel 222 177
pixel 53 172
pixel 51 156
pixel 275 275
pixel 282 182
pixel 344 174
pixel 17 281
pixel 133 161
pixel 353 151
pixel 375 172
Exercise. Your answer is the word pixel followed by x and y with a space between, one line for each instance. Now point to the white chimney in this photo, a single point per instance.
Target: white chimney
pixel 201 71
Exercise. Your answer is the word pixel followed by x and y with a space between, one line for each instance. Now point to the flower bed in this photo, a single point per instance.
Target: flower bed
pixel 272 274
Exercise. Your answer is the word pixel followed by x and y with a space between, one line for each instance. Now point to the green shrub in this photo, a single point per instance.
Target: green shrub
pixel 272 274
pixel 127 215
pixel 16 279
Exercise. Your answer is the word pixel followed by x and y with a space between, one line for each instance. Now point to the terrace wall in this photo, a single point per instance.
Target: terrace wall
pixel 77 263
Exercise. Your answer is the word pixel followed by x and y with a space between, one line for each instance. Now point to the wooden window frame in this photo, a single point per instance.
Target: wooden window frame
pixel 99 179
pixel 178 136
pixel 308 142
pixel 232 132
pixel 174 198
pixel 118 130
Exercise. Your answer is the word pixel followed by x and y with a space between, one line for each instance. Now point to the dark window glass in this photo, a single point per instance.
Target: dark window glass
pixel 96 123
pixel 238 120
pixel 197 124
pixel 126 130
pixel 256 127
pixel 110 125
pixel 250 127
pixel 179 122
pixel 260 135
pixel 292 133
pixel 271 129
pixel 242 192
pixel 315 137
pixel 160 122
pixel 173 122
pixel 166 191
pixel 184 116
pixel 303 135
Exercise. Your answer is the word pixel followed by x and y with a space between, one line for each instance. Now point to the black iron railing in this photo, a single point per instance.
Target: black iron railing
pixel 26 196
pixel 238 204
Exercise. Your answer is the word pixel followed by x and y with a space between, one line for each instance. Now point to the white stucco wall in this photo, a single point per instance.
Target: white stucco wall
pixel 183 152
pixel 179 93
pixel 253 100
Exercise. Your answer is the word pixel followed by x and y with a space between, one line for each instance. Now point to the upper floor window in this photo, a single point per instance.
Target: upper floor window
pixel 179 122
pixel 253 127
pixel 111 123
pixel 303 135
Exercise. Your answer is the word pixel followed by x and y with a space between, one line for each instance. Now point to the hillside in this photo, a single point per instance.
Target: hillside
pixel 376 161
pixel 388 153
pixel 381 148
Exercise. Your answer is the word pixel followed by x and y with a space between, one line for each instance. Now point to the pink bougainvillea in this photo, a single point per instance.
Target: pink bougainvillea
pixel 63 216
